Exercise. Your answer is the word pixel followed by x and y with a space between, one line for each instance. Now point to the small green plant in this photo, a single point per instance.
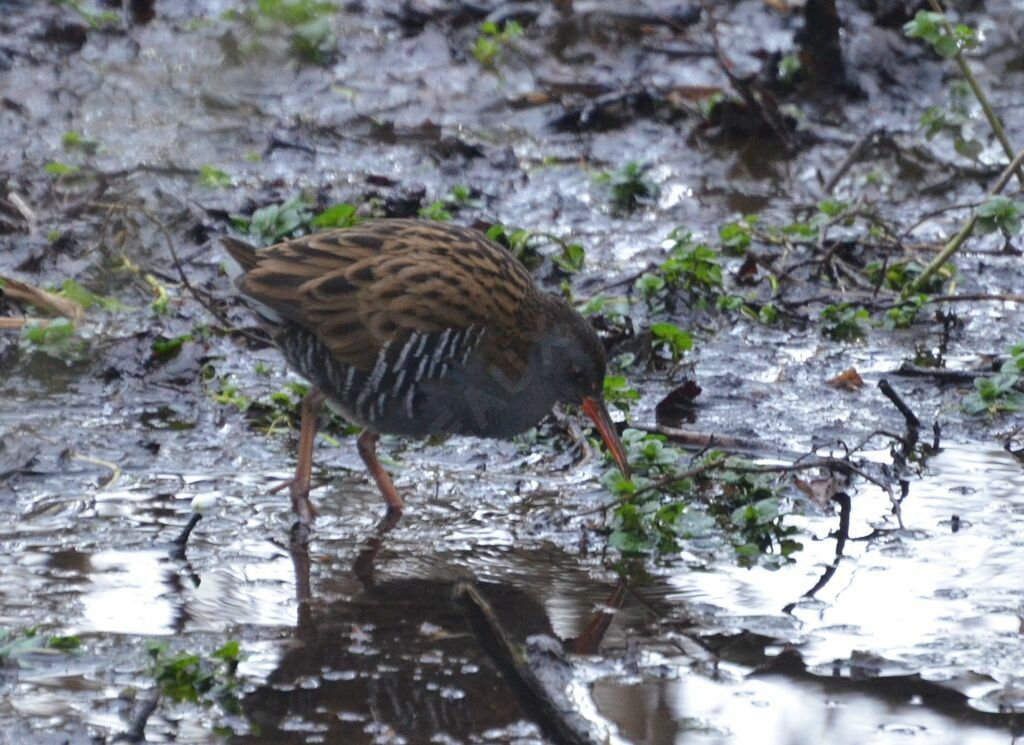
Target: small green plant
pixel 55 338
pixel 691 267
pixel 618 393
pixel 1000 213
pixel 186 677
pixel 842 322
pixel 904 314
pixel 900 276
pixel 167 349
pixel 754 511
pixel 16 645
pixel 735 237
pixel 651 519
pixel 70 289
pixel 275 222
pixel 441 210
pixel 211 177
pixel 436 210
pixel 672 339
pixel 571 258
pixel 492 41
pixel 97 20
pixel 615 309
pixel 956 121
pixel 808 231
pixel 628 187
pixel 305 23
pixel 58 169
pixel 1000 392
pixel 226 393
pixel 668 503
pixel 789 67
pixel 520 242
pixel 342 215
pixel 947 41
pixel 75 141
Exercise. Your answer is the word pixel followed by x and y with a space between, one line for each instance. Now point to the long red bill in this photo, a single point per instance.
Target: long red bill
pixel 598 412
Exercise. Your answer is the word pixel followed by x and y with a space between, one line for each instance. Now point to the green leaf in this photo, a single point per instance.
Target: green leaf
pixel 211 177
pixel 55 168
pixel 74 141
pixel 674 338
pixel 342 215
pixel 999 213
pixel 165 349
pixel 230 652
pixel 947 47
pixel 436 211
pixel 571 259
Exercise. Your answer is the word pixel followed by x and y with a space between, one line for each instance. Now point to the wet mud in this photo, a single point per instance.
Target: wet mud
pixel 900 616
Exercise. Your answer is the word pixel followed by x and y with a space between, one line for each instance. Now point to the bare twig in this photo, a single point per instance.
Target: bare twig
pixel 890 393
pixel 862 144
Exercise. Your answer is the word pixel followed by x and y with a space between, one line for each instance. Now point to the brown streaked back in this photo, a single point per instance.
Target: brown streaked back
pixel 359 288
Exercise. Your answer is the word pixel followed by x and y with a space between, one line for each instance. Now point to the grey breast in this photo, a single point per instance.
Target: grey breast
pixel 422 384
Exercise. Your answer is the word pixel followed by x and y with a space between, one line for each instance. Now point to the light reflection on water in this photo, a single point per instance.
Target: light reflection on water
pixel 926 600
pixel 694 708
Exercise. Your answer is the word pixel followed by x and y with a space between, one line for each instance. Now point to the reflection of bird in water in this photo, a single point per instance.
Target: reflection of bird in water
pixel 420 657
pixel 401 658
pixel 418 328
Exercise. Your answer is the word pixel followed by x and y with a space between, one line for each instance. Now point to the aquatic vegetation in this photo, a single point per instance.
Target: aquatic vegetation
pixel 211 177
pixel 442 209
pixel 999 393
pixel 628 187
pixel 844 322
pixel 305 23
pixel 18 644
pixel 490 45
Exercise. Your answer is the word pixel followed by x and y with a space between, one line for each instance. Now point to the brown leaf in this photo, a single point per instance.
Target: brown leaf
pixel 819 491
pixel 747 273
pixel 678 404
pixel 784 6
pixel 849 380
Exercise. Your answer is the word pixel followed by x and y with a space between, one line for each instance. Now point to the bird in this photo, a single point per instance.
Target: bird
pixel 416 327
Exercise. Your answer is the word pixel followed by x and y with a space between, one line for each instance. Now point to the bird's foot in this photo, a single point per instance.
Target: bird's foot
pixel 301 505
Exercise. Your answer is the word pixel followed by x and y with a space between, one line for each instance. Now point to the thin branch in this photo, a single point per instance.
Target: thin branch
pixel 965 232
pixel 979 93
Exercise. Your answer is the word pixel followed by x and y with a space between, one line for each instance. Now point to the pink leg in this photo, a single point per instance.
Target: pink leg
pixel 367 444
pixel 299 489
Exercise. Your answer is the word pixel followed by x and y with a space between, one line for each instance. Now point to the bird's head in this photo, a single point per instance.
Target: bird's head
pixel 573 362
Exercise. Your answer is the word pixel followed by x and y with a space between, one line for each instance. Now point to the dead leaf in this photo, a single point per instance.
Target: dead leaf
pixel 747 273
pixel 849 380
pixel 819 491
pixel 784 6
pixel 678 405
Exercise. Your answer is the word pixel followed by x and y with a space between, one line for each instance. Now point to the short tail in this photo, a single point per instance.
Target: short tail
pixel 243 258
pixel 242 252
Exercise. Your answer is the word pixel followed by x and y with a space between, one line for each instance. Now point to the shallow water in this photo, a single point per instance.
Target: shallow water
pixel 916 633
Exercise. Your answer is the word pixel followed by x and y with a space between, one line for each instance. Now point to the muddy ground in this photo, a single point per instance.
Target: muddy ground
pixel 128 143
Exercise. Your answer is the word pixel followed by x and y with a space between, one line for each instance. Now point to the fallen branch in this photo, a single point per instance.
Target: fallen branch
pixel 22 292
pixel 908 370
pixel 524 665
